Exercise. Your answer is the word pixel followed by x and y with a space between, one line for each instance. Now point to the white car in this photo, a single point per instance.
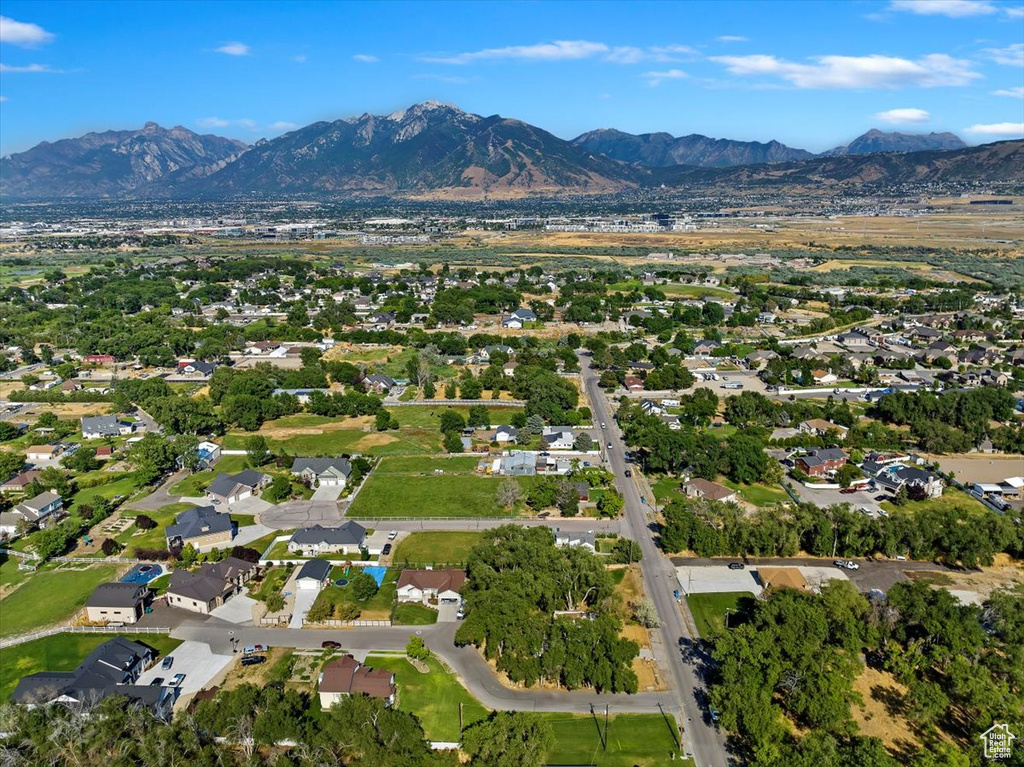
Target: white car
pixel 851 565
pixel 392 535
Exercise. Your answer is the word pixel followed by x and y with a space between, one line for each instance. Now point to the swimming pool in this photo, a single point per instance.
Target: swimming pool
pixel 143 574
pixel 378 574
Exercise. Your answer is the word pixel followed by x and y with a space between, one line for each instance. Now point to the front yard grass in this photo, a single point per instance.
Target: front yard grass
pixel 757 494
pixel 433 698
pixel 409 614
pixel 709 609
pixel 377 607
pixel 49 597
pixel 431 496
pixel 272 583
pixel 634 740
pixel 436 547
pixel 950 500
pixel 62 652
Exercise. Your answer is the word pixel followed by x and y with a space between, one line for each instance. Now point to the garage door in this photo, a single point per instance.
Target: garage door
pixel 243 496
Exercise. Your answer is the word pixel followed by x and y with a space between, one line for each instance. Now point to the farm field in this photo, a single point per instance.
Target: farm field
pixel 62 652
pixel 48 597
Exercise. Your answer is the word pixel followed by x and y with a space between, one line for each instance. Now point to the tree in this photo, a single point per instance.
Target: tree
pixel 11 463
pixel 453 442
pixel 278 490
pixel 508 737
pixel 610 503
pixel 626 551
pixel 186 447
pixel 144 522
pixel 746 458
pixel 82 460
pixel 382 420
pixel 583 442
pixel 847 473
pixel 274 602
pixel 900 497
pixel 364 586
pixel 535 424
pixel 645 613
pixel 53 478
pixel 479 415
pixel 256 450
pixel 416 649
pixel 154 452
pixel 189 555
pixel 451 421
pixel 110 547
pixel 429 390
pixel 450 390
pixel 470 388
pixel 509 493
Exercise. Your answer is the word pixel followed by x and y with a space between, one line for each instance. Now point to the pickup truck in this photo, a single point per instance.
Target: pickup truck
pixel 732 385
pixel 254 648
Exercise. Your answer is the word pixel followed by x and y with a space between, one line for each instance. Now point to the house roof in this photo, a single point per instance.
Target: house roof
pixel 347 533
pixel 439 580
pixel 318 466
pixel 225 484
pixel 198 521
pixel 711 490
pixel 202 585
pixel 104 424
pixel 117 595
pixel 35 505
pixel 317 569
pixel 347 676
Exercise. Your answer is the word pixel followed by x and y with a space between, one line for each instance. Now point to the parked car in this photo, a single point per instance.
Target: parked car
pixel 252 649
pixel 178 679
pixel 882 497
pixel 330 644
pixel 629 473
pixel 736 566
pixel 848 490
pixel 253 660
pixel 392 535
pixel 609 446
pixel 851 565
pixel 460 614
pixel 167 663
pixel 604 425
pixel 386 550
pixel 157 682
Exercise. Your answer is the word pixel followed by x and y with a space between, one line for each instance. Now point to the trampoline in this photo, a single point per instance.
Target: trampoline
pixel 341 582
pixel 143 574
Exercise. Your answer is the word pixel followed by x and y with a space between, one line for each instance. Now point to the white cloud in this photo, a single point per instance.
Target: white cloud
pixel 1015 13
pixel 451 79
pixel 732 39
pixel 1013 93
pixel 1011 55
pixel 234 49
pixel 282 125
pixel 213 122
pixel 3 99
pixel 997 129
pixel 559 50
pixel 873 71
pixel 657 78
pixel 903 116
pixel 29 68
pixel 366 58
pixel 246 123
pixel 300 59
pixel 22 33
pixel 954 9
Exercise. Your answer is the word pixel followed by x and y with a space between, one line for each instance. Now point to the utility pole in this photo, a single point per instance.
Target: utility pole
pixel 460 721
pixel 606 727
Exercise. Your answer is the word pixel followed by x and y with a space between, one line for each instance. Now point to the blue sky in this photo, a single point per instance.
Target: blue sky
pixel 809 74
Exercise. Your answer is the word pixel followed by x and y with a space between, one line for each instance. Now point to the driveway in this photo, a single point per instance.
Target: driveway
pixel 196 661
pixel 446 612
pixel 252 506
pixel 292 514
pixel 236 610
pixel 304 599
pixel 161 496
pixel 825 498
pixel 250 533
pixel 328 492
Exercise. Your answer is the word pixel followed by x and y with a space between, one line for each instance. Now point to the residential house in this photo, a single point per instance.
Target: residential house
pixel 558 437
pixel 633 383
pixel 36 453
pixel 100 426
pixel 231 488
pixel 196 368
pixel 346 676
pixel 19 482
pixel 111 669
pixel 202 526
pixel 117 603
pixel 444 586
pixel 818 463
pixel 302 395
pixel 518 318
pixel 705 348
pixel 323 472
pixel 506 434
pixel 758 359
pixel 712 491
pixel 209 587
pixel 104 453
pixel 569 539
pixel 314 574
pixel 521 464
pixel 894 477
pixel 98 359
pixel 378 383
pixel 854 340
pixel 209 453
pixel 313 541
pixel 650 407
pixel 42 511
pixel 824 376
pixel 819 427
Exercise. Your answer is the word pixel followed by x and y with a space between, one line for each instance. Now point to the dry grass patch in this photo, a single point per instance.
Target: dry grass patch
pixel 879 716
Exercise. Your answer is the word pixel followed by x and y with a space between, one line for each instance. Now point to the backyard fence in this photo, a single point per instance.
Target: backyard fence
pixel 128 629
pixel 340 624
pixel 456 403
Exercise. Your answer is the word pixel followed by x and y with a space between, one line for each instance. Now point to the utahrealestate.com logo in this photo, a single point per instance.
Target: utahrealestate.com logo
pixel 998 741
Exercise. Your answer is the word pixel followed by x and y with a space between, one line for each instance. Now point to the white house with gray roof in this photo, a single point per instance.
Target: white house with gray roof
pixel 316 540
pixel 323 472
pixel 100 426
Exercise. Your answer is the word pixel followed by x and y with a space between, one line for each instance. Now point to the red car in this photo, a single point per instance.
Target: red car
pixel 848 490
pixel 327 644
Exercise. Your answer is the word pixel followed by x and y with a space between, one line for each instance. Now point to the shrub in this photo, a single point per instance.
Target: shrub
pixel 145 523
pixel 110 547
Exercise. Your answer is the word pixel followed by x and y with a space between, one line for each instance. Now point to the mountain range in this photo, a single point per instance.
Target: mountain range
pixel 437 150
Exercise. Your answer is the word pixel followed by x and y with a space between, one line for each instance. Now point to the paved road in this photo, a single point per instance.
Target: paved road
pixel 470 524
pixel 161 496
pixel 700 737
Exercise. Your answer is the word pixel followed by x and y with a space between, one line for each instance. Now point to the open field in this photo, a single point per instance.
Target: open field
pixel 135 538
pixel 428 416
pixel 951 498
pixel 433 697
pixel 634 740
pixel 62 652
pixel 124 484
pixel 709 609
pixel 436 547
pixel 674 290
pixel 757 494
pixel 453 464
pixel 428 496
pixel 330 441
pixel 49 597
pixel 880 715
pixel 980 467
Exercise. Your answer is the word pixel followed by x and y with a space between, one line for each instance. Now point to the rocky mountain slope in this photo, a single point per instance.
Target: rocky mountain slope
pixel 658 150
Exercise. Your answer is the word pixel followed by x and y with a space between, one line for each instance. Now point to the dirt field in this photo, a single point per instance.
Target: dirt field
pixel 879 715
pixel 284 432
pixel 981 467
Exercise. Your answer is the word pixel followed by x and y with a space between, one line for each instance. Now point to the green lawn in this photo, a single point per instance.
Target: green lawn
pixel 709 609
pixel 49 597
pixel 123 484
pixel 634 740
pixel 273 581
pixel 428 416
pixel 433 697
pixel 379 605
pixel 431 496
pixel 196 484
pixel 155 538
pixel 950 499
pixel 436 547
pixel 757 494
pixel 454 464
pixel 62 652
pixel 674 289
pixel 409 614
pixel 404 441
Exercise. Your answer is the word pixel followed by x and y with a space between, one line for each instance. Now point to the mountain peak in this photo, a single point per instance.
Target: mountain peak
pixel 876 140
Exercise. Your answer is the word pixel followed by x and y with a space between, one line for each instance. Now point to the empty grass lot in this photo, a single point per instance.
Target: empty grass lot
pixel 455 464
pixel 757 494
pixel 709 609
pixel 433 698
pixel 195 484
pixel 49 597
pixel 155 538
pixel 448 495
pixel 951 499
pixel 410 614
pixel 674 289
pixel 404 441
pixel 62 652
pixel 634 740
pixel 428 416
pixel 436 547
pixel 122 484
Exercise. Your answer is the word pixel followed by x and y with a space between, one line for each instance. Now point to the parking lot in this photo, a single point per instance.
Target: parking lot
pixel 824 498
pixel 193 659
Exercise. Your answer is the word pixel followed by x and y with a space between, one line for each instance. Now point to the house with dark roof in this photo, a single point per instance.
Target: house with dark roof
pixel 378 383
pixel 313 541
pixel 117 603
pixel 209 587
pixel 430 585
pixel 314 574
pixel 346 676
pixel 100 426
pixel 506 434
pixel 196 368
pixel 231 488
pixel 110 670
pixel 323 472
pixel 201 526
pixel 818 463
pixel 892 478
pixel 19 482
pixel 518 318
